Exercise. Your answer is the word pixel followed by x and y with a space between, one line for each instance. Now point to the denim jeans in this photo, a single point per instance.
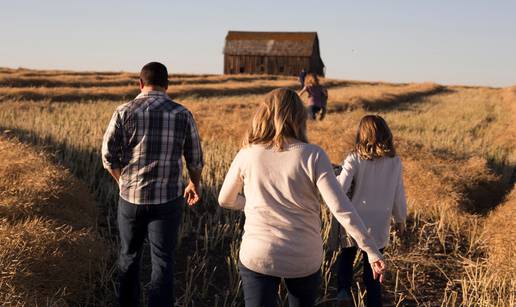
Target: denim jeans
pixel 160 224
pixel 345 276
pixel 313 110
pixel 261 290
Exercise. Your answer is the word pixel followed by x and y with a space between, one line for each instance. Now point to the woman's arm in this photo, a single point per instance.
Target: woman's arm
pixel 342 209
pixel 229 196
pixel 301 92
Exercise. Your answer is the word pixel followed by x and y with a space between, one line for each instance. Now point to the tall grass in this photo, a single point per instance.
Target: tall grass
pixel 448 139
pixel 50 250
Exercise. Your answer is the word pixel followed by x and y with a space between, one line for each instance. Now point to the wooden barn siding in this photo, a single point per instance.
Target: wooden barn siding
pixel 272 65
pixel 316 64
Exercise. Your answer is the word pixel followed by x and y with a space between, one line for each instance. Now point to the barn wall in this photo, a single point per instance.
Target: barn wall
pixel 316 63
pixel 272 65
pixel 316 66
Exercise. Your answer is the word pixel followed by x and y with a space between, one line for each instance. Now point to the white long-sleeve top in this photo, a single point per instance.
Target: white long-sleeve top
pixel 282 230
pixel 378 193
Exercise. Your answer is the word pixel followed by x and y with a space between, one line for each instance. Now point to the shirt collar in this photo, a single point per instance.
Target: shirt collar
pixel 152 93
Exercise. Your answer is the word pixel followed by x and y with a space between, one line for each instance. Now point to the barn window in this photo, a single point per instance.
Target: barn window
pixel 262 68
pixel 282 68
pixel 242 69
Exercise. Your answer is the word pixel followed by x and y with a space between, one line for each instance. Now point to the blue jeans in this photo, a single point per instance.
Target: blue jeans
pixel 160 223
pixel 261 290
pixel 345 276
pixel 313 110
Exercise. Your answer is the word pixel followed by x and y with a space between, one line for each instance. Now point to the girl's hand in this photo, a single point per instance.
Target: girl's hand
pixel 401 229
pixel 378 269
pixel 337 169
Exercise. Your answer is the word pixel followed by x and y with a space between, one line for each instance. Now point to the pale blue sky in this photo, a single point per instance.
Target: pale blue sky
pixel 451 42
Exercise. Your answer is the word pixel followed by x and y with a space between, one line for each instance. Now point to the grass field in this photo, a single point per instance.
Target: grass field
pixel 456 144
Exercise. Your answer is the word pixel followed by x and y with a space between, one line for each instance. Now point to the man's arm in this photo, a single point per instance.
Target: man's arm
pixel 193 154
pixel 111 146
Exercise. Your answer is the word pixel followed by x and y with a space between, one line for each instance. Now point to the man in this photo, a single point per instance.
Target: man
pixel 142 150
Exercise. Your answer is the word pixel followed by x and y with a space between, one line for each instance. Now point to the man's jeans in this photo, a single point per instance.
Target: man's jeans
pixel 160 223
pixel 261 290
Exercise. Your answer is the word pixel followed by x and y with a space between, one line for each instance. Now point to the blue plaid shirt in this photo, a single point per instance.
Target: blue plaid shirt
pixel 146 139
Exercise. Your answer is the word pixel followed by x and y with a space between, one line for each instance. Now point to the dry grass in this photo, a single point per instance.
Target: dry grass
pixel 453 142
pixel 64 79
pixel 50 251
pixel 128 92
pixel 379 96
pixel 501 225
pixel 500 249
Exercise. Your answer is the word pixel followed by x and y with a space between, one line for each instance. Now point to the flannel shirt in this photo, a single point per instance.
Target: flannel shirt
pixel 146 139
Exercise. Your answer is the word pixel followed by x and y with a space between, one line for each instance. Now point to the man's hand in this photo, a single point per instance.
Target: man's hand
pixel 192 194
pixel 378 269
pixel 115 173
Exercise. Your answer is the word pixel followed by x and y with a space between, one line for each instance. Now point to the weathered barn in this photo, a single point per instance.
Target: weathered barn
pixel 273 53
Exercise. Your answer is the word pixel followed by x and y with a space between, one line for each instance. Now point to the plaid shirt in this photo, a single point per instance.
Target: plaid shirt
pixel 146 139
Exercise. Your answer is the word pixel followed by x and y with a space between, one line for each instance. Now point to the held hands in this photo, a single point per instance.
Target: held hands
pixel 378 269
pixel 192 194
pixel 400 227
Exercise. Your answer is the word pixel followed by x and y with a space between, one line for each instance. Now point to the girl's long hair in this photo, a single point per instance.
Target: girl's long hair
pixel 374 138
pixel 281 115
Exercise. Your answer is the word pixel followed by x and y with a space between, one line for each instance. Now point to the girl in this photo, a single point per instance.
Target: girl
pixel 281 173
pixel 317 96
pixel 375 170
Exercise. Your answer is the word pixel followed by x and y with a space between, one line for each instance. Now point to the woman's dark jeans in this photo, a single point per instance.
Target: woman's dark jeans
pixel 261 290
pixel 345 276
pixel 160 224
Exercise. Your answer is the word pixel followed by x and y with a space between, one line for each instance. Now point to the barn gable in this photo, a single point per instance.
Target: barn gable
pixel 283 53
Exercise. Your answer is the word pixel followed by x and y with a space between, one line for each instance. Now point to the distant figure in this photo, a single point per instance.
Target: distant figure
pixel 373 170
pixel 317 96
pixel 142 149
pixel 282 175
pixel 302 76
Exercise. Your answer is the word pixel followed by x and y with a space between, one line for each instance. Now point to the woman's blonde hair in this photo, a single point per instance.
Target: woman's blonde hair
pixel 281 115
pixel 311 80
pixel 374 138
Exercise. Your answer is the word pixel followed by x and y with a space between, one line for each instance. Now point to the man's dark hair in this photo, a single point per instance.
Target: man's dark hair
pixel 154 73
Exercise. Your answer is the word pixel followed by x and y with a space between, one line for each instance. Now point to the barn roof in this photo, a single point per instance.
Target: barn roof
pixel 270 43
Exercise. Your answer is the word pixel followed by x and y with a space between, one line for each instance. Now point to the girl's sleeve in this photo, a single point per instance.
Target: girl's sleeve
pixel 229 196
pixel 349 168
pixel 399 210
pixel 341 207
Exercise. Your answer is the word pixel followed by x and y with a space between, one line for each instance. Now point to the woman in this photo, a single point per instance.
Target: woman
pixel 317 96
pixel 281 174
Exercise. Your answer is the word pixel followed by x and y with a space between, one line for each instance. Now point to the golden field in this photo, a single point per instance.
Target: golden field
pixel 456 144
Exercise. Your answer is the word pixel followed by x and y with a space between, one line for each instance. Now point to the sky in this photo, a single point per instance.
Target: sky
pixel 449 42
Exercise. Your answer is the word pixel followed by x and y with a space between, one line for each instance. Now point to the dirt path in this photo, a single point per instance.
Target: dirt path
pixel 50 250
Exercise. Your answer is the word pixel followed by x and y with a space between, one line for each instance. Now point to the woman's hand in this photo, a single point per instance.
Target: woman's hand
pixel 378 269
